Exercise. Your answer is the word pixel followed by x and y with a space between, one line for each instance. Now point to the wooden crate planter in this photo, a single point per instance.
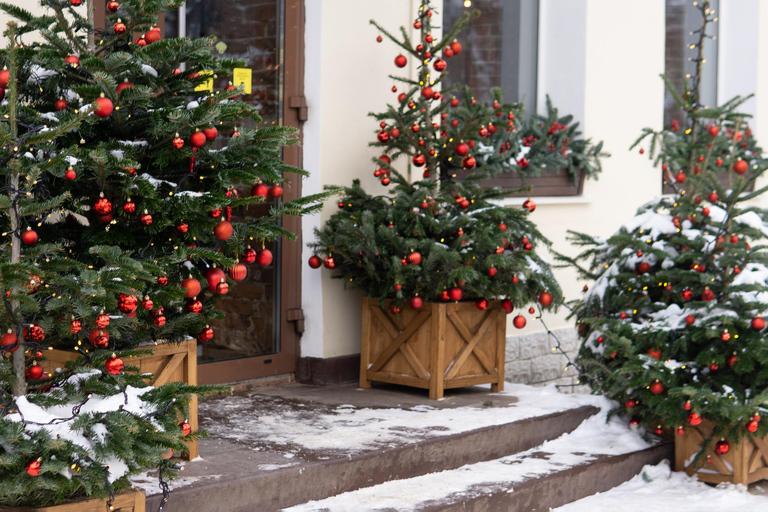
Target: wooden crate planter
pixel 134 501
pixel 743 464
pixel 170 362
pixel 439 347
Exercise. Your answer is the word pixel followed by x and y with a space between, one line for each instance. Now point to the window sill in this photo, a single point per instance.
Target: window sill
pixel 544 200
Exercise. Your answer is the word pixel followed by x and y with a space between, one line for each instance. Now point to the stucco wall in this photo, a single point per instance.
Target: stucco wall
pixel 599 60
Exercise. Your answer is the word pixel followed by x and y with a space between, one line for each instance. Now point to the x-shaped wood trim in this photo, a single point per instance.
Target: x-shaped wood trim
pixel 696 438
pixel 761 450
pixel 400 337
pixel 163 375
pixel 471 343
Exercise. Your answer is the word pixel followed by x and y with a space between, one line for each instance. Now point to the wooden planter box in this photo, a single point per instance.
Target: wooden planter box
pixel 170 362
pixel 134 501
pixel 743 464
pixel 439 347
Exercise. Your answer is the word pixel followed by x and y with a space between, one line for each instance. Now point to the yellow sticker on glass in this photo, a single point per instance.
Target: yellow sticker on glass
pixel 242 77
pixel 208 84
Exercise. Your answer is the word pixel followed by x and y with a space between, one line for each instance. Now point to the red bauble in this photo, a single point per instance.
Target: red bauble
pixel 529 205
pixel 456 47
pixel 455 294
pixel 105 107
pixel 654 353
pixel 182 228
pixel 481 304
pixel 519 321
pixel 159 320
pixel 643 267
pixel 687 295
pixel 416 302
pixel 491 271
pixel 75 3
pixel 102 320
pixel 427 92
pixel 740 167
pixel 119 27
pixel 29 237
pixel 60 104
pixel 145 218
pixel 35 371
pixel 103 206
pixel 147 303
pixel 113 6
pixel 707 294
pixel 329 263
pixel 419 160
pixel 722 447
pixel 713 131
pixel 72 60
pixel 238 272
pixel 5 76
pixel 177 142
pixel 223 287
pixel 185 427
pixel 469 162
pixel 315 261
pixel 413 258
pixel 223 230
pixel 206 334
pixel 462 149
pixel 383 136
pixel 34 333
pixel 657 388
pixel 213 275
pixel 75 326
pixel 197 139
pixel 401 61
pixel 152 35
pixel 260 189
pixel 215 213
pixel 507 305
pixel 9 339
pixel 211 133
pixel 162 281
pixel 264 258
pixel 70 174
pixel 713 197
pixel 125 84
pixel 757 324
pixel 127 303
pixel 140 42
pixel 439 65
pixel 193 306
pixel 114 365
pixel 680 177
pixel 33 468
pixel 192 286
pixel 630 403
pixel 545 299
pixel 249 256
pixel 276 191
pixel 99 338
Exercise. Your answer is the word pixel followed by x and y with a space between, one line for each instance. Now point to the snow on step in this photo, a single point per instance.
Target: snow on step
pixel 593 438
pixel 659 488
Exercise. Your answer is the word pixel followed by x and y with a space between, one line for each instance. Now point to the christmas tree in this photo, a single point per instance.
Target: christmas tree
pixel 672 324
pixel 440 236
pixel 122 170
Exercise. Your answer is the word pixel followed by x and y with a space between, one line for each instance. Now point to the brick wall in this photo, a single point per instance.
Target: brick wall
pixel 532 360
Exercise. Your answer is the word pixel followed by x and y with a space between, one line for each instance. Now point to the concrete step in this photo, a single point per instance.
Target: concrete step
pixel 237 476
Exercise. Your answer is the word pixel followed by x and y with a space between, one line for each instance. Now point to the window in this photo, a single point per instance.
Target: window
pixel 500 48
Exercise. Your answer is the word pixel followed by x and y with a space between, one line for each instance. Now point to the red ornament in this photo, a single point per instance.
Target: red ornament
pixel 197 139
pixel 491 271
pixel 193 306
pixel 29 237
pixel 162 280
pixel 481 304
pixel 725 336
pixel 757 324
pixel 469 162
pixel 152 35
pixel 314 261
pixel 507 305
pixel 680 177
pixel 455 294
pixel 264 258
pixel 75 326
pixel 125 84
pixel 145 218
pixel 456 47
pixel 206 334
pixel 519 321
pixel 114 365
pixel 545 299
pixel 102 320
pixel 722 447
pixel 211 133
pixel 401 61
pixel 687 405
pixel 276 191
pixel 529 205
pixel 740 167
pixel 413 258
pixel 329 263
pixel 113 6
pixel 99 338
pixel 654 353
pixel 34 333
pixel 105 107
pixel 35 371
pixel 60 104
pixel 752 426
pixel 103 206
pixel 213 275
pixel 192 286
pixel 439 65
pixel 159 320
pixel 222 288
pixel 223 230
pixel 713 131
pixel 177 142
pixel 127 303
pixel 657 388
pixel 119 27
pixel 238 272
pixel 379 39
pixel 643 267
pixel 72 60
pixel 147 303
pixel 427 92
pixel 630 403
pixel 419 160
pixel 690 319
pixel 416 302
pixel 33 468
pixel 707 294
pixel 9 339
pixel 462 149
pixel 687 294
pixel 70 174
pixel 75 3
pixel 260 189
pixel 185 427
pixel 394 133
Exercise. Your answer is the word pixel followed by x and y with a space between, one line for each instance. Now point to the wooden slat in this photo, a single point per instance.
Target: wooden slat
pixel 396 378
pixel 501 349
pixel 437 351
pixel 190 377
pixel 170 366
pixel 385 321
pixel 470 346
pixel 418 367
pixel 365 344
pixel 134 501
pixel 471 380
pixel 388 352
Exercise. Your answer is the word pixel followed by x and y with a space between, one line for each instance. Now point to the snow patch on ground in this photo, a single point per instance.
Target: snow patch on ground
pixel 659 488
pixel 151 485
pixel 593 438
